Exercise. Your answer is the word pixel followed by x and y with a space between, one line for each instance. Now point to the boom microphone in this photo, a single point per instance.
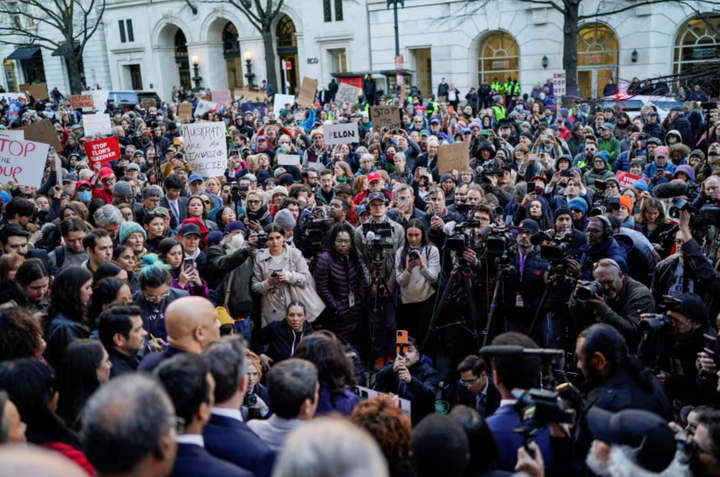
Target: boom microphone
pixel 538 238
pixel 518 351
pixel 670 189
pixel 449 227
pixel 370 236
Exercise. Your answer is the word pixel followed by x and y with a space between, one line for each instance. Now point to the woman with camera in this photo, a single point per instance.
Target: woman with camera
pixel 185 275
pixel 417 271
pixel 256 404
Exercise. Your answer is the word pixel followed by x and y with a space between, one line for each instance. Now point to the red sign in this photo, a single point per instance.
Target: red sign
pixel 625 179
pixel 102 150
pixel 288 65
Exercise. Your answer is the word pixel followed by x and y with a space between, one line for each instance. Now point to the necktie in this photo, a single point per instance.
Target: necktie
pixel 174 207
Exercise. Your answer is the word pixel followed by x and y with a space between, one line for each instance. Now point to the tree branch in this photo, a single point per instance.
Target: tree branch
pixel 598 13
pixel 277 10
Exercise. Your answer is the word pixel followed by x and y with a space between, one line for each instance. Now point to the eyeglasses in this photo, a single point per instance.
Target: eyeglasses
pixel 467 382
pixel 253 202
pixel 207 202
pixel 343 242
pixel 155 298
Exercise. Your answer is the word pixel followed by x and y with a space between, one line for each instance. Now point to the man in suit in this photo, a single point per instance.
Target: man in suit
pixel 129 428
pixel 226 435
pixel 514 372
pixel 174 200
pixel 191 387
pixel 475 389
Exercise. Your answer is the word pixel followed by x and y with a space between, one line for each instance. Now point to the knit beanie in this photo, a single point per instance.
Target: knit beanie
pixel 626 201
pixel 129 228
pixel 578 203
pixel 122 188
pixel 285 219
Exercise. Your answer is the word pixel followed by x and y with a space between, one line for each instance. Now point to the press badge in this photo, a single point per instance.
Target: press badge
pixel 351 299
pixel 519 301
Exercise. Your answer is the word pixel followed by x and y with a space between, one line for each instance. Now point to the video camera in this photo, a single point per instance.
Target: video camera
pixel 487 169
pixel 459 236
pixel 497 240
pixel 375 233
pixel 661 322
pixel 313 231
pixel 557 249
pixel 600 204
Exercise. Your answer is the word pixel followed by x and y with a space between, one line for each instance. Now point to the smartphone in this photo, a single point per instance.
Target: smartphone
pixel 188 264
pixel 485 132
pixel 531 187
pixel 401 342
pixel 712 349
pixel 272 121
pixel 566 173
pixel 534 157
pixel 274 273
pixel 544 138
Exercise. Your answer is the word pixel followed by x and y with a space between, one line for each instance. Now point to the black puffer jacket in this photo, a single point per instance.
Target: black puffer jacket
pixel 640 261
pixel 683 126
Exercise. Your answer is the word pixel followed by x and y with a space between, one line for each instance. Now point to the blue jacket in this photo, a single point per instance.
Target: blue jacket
pixel 342 402
pixel 233 441
pixel 193 460
pixel 610 249
pixel 652 168
pixel 503 424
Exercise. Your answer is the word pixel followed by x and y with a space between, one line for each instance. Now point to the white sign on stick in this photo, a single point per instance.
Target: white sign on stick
pixel 559 84
pixel 96 123
pixel 12 134
pixel 204 107
pixel 22 162
pixel 205 147
pixel 288 159
pixel 341 134
pixel 280 100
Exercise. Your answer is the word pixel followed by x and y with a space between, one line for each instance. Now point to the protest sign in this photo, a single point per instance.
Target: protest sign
pixel 385 117
pixel 307 92
pixel 453 157
pixel 100 97
pixel 367 393
pixel 147 103
pixel 58 169
pixel 625 179
pixel 280 100
pixel 102 150
pixel 185 110
pixel 402 95
pixel 347 93
pixel 12 96
pixel 204 107
pixel 13 111
pixel 96 123
pixel 22 162
pixel 559 84
pixel 37 91
pixel 249 94
pixel 341 134
pixel 84 102
pixel 43 132
pixel 205 147
pixel 221 96
pixel 288 159
pixel 12 134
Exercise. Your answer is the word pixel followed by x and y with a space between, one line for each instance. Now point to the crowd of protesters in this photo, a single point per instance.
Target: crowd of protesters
pixel 155 321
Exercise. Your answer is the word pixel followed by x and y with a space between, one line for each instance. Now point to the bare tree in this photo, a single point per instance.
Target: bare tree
pixel 59 25
pixel 573 17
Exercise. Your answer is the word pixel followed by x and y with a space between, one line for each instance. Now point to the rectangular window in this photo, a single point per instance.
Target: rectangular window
pixel 339 60
pixel 130 34
pixel 121 23
pixel 136 77
pixel 327 10
pixel 338 11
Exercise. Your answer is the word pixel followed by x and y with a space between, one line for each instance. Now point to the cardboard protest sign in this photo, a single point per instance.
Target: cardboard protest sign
pixel 96 123
pixel 43 132
pixel 37 91
pixel 221 96
pixel 280 100
pixel 288 159
pixel 102 150
pixel 453 157
pixel 204 107
pixel 385 117
pixel 402 95
pixel 205 147
pixel 22 162
pixel 185 110
pixel 85 102
pixel 341 134
pixel 626 179
pixel 347 93
pixel 249 94
pixel 12 134
pixel 307 92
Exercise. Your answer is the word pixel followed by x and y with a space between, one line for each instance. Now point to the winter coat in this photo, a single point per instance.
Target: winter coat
pixel 641 264
pixel 610 249
pixel 336 278
pixel 590 176
pixel 342 402
pixel 61 331
pixel 220 265
pixel 683 126
pixel 278 341
pixel 276 298
pixel 420 391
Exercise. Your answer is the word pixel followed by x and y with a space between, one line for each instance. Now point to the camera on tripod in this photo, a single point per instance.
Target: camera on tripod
pixel 497 240
pixel 557 250
pixel 313 231
pixel 375 233
pixel 487 169
pixel 600 204
pixel 661 322
pixel 459 236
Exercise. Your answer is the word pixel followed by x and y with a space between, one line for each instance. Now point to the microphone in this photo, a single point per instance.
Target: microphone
pixel 518 351
pixel 370 236
pixel 449 228
pixel 538 238
pixel 670 189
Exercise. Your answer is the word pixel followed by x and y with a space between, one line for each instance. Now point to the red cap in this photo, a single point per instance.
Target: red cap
pixel 105 173
pixel 83 183
pixel 374 176
pixel 542 178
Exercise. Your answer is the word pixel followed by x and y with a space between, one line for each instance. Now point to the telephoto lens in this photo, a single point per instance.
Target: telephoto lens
pixel 586 292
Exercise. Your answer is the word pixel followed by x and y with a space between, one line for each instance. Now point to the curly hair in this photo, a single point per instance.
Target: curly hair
pixel 390 428
pixel 20 334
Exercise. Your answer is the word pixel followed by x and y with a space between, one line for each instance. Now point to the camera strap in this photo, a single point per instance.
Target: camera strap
pixel 685 277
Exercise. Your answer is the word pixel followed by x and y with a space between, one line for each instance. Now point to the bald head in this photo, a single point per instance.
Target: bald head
pixel 30 461
pixel 192 324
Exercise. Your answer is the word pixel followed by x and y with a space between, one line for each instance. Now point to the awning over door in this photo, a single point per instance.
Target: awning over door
pixel 24 53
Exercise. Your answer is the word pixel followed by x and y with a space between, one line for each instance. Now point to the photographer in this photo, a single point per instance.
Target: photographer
pixel 613 298
pixel 672 346
pixel 382 248
pixel 600 244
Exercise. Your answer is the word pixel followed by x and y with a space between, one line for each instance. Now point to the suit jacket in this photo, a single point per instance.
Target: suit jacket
pixel 232 440
pixel 182 205
pixel 193 460
pixel 502 425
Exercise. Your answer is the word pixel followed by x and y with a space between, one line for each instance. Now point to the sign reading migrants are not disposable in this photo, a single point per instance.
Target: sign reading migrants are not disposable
pixel 22 162
pixel 347 93
pixel 341 134
pixel 205 147
pixel 385 117
pixel 453 157
pixel 102 150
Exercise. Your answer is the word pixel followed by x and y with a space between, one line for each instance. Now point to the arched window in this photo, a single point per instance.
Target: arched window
pixel 180 43
pixel 597 49
pixel 231 42
pixel 697 42
pixel 499 58
pixel 286 33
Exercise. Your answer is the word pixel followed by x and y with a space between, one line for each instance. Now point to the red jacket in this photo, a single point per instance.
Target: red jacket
pixel 101 193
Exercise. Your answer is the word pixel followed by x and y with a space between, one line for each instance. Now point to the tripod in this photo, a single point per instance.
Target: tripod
pixel 461 271
pixel 377 287
pixel 505 271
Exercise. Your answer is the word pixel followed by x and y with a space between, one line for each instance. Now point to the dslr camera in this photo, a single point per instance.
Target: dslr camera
pixel 557 250
pixel 661 322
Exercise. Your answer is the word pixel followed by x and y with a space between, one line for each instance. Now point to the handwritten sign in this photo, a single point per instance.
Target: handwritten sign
pixel 249 94
pixel 205 147
pixel 626 179
pixel 307 92
pixel 84 102
pixel 341 134
pixel 100 97
pixel 42 131
pixel 96 123
pixel 22 162
pixel 12 134
pixel 12 96
pixel 280 100
pixel 347 93
pixel 453 157
pixel 288 159
pixel 221 96
pixel 103 150
pixel 185 110
pixel 204 107
pixel 559 84
pixel 37 91
pixel 385 117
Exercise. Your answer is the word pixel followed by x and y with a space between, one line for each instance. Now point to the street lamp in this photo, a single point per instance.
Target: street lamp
pixel 394 4
pixel 545 62
pixel 249 75
pixel 196 68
